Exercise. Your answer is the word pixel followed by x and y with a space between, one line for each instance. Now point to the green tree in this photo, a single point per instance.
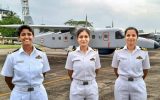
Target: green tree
pixel 78 23
pixel 10 18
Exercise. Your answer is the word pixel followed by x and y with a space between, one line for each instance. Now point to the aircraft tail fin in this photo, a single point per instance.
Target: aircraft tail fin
pixel 86 20
pixel 112 24
pixel 28 20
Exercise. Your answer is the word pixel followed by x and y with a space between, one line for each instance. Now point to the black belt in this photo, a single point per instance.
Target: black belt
pixel 85 83
pixel 27 89
pixel 130 79
pixel 30 89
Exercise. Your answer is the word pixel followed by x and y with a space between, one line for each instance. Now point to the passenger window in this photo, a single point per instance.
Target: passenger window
pixel 105 36
pixel 93 36
pixel 53 38
pixel 65 38
pixel 100 36
pixel 59 38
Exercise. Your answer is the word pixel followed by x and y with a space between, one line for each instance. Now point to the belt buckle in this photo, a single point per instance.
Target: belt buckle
pixel 85 83
pixel 130 79
pixel 30 89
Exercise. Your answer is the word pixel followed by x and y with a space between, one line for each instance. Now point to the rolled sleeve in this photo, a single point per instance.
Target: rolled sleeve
pixel 7 69
pixel 69 63
pixel 46 66
pixel 146 62
pixel 115 61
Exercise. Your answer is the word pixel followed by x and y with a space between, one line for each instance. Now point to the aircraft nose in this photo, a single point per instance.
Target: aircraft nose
pixel 156 45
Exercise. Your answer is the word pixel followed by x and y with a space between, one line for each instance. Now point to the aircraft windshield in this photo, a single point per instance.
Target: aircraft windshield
pixel 119 35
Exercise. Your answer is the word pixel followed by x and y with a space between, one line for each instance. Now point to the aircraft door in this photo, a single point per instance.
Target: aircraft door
pixel 106 38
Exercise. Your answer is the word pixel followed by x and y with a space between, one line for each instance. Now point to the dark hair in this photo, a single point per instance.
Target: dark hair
pixel 131 28
pixel 83 29
pixel 24 27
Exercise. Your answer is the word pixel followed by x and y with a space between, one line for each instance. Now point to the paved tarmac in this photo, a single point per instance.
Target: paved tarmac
pixel 57 81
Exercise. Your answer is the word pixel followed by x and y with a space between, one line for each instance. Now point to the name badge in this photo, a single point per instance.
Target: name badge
pixel 122 58
pixel 38 57
pixel 21 61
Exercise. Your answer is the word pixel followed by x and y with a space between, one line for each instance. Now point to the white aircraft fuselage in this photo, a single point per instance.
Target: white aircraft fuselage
pixel 110 38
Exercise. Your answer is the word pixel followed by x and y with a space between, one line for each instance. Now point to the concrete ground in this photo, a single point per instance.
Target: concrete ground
pixel 57 82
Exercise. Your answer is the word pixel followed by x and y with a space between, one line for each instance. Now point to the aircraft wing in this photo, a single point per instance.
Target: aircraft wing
pixel 58 27
pixel 143 34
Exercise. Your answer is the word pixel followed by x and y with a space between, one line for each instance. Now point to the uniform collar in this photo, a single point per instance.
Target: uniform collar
pixel 137 48
pixel 89 49
pixel 21 50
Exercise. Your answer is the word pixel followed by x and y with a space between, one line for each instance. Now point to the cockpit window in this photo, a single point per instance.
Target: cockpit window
pixel 72 37
pixel 119 35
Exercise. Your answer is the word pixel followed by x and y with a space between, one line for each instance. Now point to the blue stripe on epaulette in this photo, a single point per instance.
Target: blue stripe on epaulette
pixel 38 49
pixel 16 50
pixel 13 51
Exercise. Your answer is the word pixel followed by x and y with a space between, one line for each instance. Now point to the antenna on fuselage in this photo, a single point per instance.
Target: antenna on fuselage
pixel 86 20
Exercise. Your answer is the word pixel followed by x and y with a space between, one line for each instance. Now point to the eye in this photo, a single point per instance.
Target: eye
pixel 83 36
pixel 133 35
pixel 29 34
pixel 22 34
pixel 86 36
pixel 80 37
pixel 128 35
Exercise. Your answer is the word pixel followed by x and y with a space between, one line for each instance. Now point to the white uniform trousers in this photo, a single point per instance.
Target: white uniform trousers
pixel 79 91
pixel 22 93
pixel 130 90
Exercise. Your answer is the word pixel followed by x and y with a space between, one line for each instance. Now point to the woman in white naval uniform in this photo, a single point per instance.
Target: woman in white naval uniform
pixel 131 66
pixel 24 69
pixel 82 65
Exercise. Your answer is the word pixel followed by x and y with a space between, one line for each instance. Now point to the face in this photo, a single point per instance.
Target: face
pixel 83 39
pixel 131 37
pixel 26 37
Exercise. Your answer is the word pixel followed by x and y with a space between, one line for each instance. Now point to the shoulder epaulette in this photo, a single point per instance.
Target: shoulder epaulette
pixel 13 51
pixel 144 49
pixel 119 48
pixel 95 49
pixel 73 48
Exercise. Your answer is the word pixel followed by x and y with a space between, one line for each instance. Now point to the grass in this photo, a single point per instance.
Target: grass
pixel 9 46
pixel 6 46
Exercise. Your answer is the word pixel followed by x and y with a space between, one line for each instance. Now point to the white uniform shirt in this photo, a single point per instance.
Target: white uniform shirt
pixel 26 70
pixel 131 64
pixel 83 65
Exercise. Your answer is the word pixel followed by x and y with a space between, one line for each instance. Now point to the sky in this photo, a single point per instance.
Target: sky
pixel 142 14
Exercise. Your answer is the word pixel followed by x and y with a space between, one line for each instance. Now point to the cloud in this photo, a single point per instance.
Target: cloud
pixel 144 14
